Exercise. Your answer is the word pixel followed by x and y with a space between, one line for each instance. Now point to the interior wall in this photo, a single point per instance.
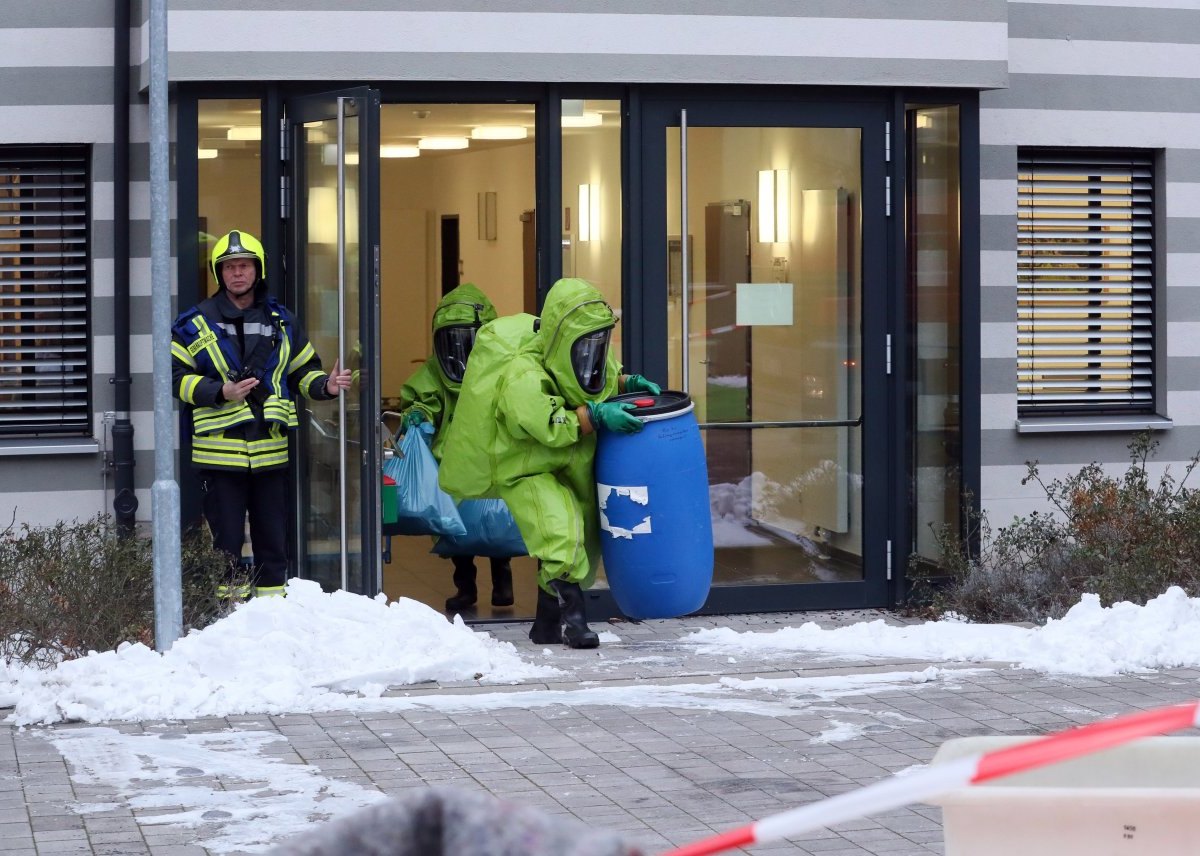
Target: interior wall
pixel 414 195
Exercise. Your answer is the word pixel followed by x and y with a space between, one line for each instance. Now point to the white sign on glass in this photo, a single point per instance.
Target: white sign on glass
pixel 764 303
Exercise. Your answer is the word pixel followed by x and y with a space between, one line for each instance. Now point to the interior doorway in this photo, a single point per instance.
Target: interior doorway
pixel 456 184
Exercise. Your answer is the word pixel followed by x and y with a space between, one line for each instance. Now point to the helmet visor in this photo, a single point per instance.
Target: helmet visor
pixel 452 346
pixel 589 360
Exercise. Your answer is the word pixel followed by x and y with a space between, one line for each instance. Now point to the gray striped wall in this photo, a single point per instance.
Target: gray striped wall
pixel 56 86
pixel 1057 73
pixel 869 42
pixel 1108 74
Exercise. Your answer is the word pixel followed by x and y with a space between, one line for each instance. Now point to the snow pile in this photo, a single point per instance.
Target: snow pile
pixel 1089 640
pixel 272 655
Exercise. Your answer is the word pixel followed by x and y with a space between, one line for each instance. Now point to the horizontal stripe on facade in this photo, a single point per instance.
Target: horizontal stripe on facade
pixel 103 310
pixel 44 48
pixel 1182 165
pixel 139 238
pixel 1053 126
pixel 997 231
pixel 951 10
pixel 29 14
pixel 139 278
pixel 590 68
pixel 579 34
pixel 998 162
pixel 1000 447
pixel 999 376
pixel 70 472
pixel 1069 93
pixel 998 304
pixel 139 201
pixel 139 159
pixel 1077 58
pixel 45 508
pixel 1059 21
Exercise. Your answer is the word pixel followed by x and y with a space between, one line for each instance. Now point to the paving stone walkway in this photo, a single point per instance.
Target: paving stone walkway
pixel 644 736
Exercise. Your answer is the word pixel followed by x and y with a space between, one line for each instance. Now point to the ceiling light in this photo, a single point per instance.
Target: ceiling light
pixel 585 120
pixel 244 132
pixel 393 151
pixel 206 154
pixel 443 142
pixel 499 132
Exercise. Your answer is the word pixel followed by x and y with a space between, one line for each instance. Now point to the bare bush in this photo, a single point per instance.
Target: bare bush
pixel 70 588
pixel 1122 538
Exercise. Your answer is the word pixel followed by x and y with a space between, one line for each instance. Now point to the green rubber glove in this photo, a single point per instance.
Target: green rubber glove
pixel 637 383
pixel 414 416
pixel 614 416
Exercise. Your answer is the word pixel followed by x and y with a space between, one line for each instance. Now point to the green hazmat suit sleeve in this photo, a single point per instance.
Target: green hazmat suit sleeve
pixel 424 390
pixel 532 409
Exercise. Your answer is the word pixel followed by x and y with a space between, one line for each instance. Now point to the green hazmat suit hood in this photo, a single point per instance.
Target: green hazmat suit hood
pixel 574 307
pixel 428 388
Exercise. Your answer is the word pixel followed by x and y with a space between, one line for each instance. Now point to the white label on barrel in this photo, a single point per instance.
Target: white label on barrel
pixel 640 495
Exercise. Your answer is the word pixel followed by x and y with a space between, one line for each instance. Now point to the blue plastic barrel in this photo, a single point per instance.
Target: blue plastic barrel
pixel 655 521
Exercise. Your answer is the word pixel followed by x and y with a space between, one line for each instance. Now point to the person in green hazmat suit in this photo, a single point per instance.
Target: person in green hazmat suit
pixel 550 402
pixel 430 395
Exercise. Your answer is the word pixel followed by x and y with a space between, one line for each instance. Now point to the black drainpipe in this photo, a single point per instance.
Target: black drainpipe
pixel 125 500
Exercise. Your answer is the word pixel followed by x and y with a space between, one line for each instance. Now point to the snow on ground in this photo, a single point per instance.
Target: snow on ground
pixel 1089 640
pixel 272 655
pixel 314 651
pixel 219 785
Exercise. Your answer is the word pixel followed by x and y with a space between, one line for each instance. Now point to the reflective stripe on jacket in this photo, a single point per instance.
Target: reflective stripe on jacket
pixel 234 434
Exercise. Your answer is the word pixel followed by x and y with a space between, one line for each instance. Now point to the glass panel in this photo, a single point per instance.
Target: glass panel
pixel 449 216
pixel 591 197
pixel 229 174
pixel 934 296
pixel 774 312
pixel 332 323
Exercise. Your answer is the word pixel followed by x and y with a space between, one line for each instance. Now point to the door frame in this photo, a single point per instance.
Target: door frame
pixel 323 106
pixel 651 113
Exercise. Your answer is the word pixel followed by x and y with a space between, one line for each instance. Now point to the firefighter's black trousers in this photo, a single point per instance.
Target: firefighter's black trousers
pixel 228 496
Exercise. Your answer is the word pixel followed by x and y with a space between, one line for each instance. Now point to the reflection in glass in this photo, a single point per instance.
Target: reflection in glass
pixel 934 290
pixel 774 312
pixel 229 175
pixel 332 323
pixel 591 194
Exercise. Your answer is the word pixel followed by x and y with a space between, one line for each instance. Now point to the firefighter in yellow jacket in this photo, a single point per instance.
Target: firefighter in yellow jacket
pixel 239 360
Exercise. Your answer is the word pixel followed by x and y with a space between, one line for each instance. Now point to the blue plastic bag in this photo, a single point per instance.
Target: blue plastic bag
pixel 422 508
pixel 490 531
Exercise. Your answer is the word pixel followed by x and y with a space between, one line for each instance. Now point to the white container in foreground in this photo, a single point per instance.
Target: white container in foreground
pixel 1140 799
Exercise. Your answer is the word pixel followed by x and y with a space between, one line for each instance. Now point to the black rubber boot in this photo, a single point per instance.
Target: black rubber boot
pixel 464 581
pixel 547 627
pixel 502 591
pixel 575 632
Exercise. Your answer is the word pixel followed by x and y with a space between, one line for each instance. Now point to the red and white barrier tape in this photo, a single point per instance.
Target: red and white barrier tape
pixel 971 770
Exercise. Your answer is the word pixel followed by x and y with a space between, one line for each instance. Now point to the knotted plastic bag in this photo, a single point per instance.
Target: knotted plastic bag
pixel 422 508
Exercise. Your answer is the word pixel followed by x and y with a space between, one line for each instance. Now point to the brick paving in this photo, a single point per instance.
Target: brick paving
pixel 661 774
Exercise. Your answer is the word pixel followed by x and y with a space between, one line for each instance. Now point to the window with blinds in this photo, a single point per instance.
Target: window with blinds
pixel 1085 283
pixel 44 286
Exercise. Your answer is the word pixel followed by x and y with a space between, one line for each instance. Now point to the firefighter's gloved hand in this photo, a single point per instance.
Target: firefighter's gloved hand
pixel 614 416
pixel 413 416
pixel 637 383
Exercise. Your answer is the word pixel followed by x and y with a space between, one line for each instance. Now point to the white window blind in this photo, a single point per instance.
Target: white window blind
pixel 44 271
pixel 1085 282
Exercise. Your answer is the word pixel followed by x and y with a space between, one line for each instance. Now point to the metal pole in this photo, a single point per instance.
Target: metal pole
pixel 341 354
pixel 686 289
pixel 164 496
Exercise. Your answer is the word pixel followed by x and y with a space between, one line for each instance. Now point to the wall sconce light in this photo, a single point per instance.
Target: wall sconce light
pixel 589 212
pixel 244 132
pixel 486 205
pixel 206 154
pixel 329 155
pixel 774 206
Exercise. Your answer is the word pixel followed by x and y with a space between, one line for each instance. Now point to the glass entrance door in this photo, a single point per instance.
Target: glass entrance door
pixel 769 292
pixel 334 255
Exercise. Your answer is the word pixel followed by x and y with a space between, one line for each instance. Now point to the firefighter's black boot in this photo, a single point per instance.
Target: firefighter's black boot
pixel 502 592
pixel 464 581
pixel 547 628
pixel 575 632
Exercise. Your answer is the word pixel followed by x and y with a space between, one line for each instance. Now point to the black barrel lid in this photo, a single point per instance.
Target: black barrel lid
pixel 666 402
